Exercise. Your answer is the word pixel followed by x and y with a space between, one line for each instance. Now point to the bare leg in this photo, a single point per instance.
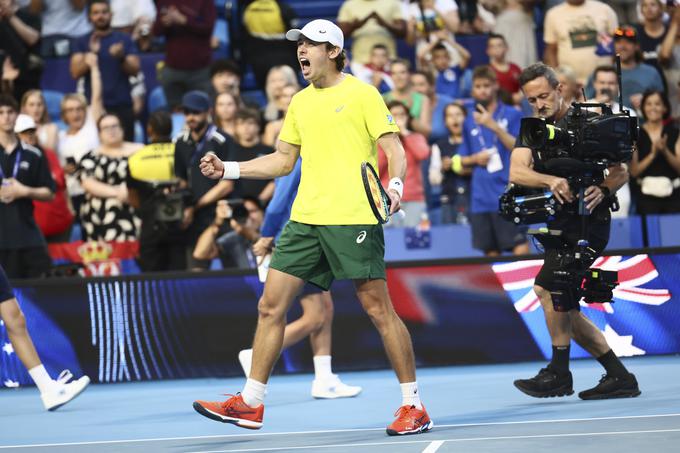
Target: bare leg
pixel 15 323
pixel 320 339
pixel 312 320
pixel 279 292
pixel 587 335
pixel 396 339
pixel 559 324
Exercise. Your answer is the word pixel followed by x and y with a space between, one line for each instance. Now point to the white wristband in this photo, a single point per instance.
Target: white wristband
pixel 231 170
pixel 396 184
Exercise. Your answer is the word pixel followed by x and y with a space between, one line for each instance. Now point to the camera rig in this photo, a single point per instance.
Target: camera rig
pixel 580 153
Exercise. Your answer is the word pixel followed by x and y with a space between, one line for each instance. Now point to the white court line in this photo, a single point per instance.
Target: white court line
pixel 333 431
pixel 468 439
pixel 434 446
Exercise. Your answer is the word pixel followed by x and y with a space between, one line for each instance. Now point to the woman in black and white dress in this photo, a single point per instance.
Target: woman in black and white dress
pixel 105 214
pixel 656 161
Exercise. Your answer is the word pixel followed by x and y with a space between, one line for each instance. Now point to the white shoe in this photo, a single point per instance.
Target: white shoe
pixel 245 357
pixel 64 391
pixel 333 387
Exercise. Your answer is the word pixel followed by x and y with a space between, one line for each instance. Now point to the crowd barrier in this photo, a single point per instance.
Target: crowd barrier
pixel 186 325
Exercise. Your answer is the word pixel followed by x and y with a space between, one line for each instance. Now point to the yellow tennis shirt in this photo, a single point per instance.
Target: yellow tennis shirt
pixel 336 129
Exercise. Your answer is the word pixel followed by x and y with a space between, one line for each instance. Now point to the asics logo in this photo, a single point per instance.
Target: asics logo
pixel 361 237
pixel 338 109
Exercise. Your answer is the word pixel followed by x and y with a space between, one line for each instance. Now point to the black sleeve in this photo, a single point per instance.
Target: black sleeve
pixel 32 20
pixel 223 150
pixel 42 176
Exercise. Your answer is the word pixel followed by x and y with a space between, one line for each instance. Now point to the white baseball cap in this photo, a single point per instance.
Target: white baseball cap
pixel 319 30
pixel 24 123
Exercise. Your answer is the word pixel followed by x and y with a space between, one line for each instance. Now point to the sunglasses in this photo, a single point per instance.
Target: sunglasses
pixel 625 33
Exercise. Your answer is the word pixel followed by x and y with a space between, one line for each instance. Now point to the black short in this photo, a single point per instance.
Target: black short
pixel 491 232
pixel 5 290
pixel 598 237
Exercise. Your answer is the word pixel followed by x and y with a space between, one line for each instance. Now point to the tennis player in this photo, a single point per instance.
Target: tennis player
pixel 334 124
pixel 316 321
pixel 54 393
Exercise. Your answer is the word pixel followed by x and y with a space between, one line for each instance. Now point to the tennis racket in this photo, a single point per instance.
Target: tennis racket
pixel 378 199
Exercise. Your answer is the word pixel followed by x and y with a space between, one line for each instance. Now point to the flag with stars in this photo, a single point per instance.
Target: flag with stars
pixel 643 318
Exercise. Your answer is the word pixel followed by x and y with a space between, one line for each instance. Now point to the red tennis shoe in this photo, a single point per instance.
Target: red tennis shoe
pixel 234 410
pixel 410 420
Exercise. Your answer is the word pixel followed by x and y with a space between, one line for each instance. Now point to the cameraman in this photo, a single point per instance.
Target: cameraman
pixel 152 192
pixel 231 236
pixel 544 92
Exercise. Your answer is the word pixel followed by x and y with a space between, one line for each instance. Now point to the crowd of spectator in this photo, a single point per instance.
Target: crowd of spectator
pixel 87 175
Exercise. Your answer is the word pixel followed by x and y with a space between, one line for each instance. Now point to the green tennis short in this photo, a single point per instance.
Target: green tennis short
pixel 321 253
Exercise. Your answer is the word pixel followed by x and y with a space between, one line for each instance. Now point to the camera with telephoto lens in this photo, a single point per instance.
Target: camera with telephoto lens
pixel 168 202
pixel 580 153
pixel 575 280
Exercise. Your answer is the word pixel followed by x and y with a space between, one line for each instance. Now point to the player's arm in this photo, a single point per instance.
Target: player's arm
pixel 522 173
pixel 396 156
pixel 396 164
pixel 270 166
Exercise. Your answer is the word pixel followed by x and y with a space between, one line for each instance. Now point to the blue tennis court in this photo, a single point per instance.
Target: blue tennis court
pixel 475 409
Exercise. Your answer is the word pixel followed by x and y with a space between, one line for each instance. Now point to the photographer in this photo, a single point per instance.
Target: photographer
pixel 234 248
pixel 152 192
pixel 565 321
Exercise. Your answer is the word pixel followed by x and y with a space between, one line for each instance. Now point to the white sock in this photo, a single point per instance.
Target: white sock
pixel 410 395
pixel 41 378
pixel 322 367
pixel 253 393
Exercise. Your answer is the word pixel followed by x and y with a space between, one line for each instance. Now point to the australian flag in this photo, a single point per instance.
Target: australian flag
pixel 645 316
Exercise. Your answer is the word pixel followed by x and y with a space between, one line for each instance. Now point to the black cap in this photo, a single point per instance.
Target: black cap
pixel 196 100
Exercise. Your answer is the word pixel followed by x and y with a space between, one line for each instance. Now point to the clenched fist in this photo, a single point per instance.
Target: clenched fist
pixel 211 166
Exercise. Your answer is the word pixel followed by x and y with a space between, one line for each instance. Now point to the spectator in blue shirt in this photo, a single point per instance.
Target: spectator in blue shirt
pixel 489 133
pixel 448 77
pixel 117 62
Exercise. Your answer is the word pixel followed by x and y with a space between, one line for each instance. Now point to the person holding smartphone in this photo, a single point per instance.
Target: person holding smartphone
pixel 489 134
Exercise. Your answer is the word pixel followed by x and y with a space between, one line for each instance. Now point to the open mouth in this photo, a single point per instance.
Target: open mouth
pixel 304 64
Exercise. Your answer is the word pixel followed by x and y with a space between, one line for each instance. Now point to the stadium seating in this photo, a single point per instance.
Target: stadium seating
pixel 157 99
pixel 53 103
